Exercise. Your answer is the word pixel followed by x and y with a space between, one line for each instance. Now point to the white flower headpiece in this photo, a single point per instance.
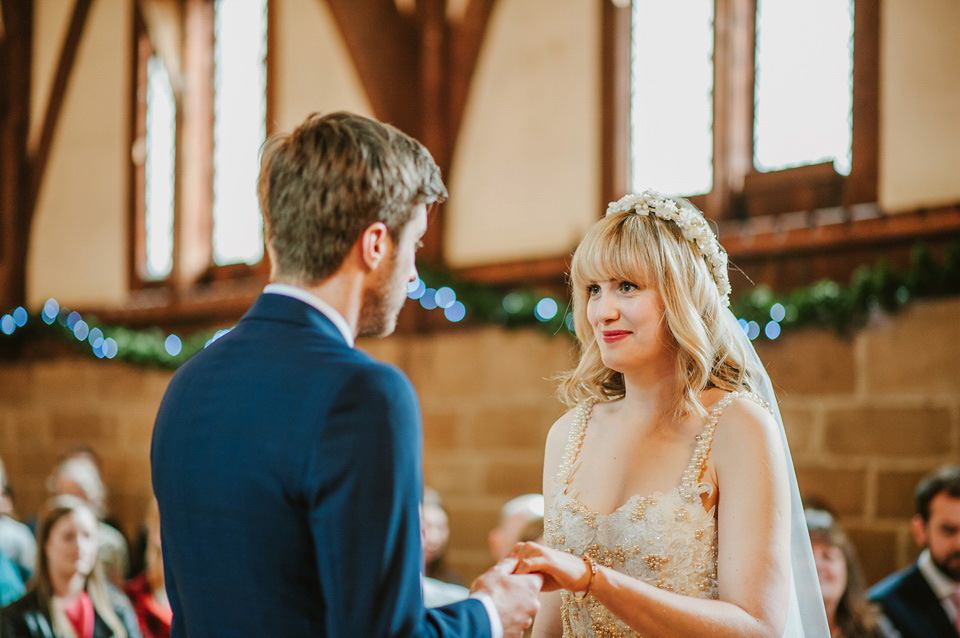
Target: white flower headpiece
pixel 691 223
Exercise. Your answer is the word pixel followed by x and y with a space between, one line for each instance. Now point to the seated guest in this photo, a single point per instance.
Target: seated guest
pixel 69 595
pixel 441 585
pixel 514 517
pixel 11 581
pixel 78 476
pixel 436 536
pixel 849 613
pixel 146 591
pixel 16 539
pixel 922 601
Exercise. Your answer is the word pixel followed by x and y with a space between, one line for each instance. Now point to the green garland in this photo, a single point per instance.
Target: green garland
pixel 843 307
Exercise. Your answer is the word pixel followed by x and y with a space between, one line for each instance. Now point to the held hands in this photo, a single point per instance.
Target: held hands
pixel 560 570
pixel 514 596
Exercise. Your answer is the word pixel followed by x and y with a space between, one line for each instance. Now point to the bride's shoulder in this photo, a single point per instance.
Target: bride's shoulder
pixel 561 427
pixel 744 421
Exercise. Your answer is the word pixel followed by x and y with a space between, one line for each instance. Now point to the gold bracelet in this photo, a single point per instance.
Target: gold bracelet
pixel 592 568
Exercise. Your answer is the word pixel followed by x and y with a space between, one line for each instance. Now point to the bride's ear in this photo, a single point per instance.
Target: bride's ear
pixel 375 245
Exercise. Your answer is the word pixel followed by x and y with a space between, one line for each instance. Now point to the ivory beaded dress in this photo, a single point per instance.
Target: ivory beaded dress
pixel 665 539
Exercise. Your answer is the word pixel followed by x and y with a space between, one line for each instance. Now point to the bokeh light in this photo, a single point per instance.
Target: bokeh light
pixel 81 330
pixel 51 308
pixel 173 345
pixel 778 312
pixel 110 348
pixel 429 299
pixel 455 312
pixel 445 297
pixel 546 309
pixel 512 303
pixel 772 330
pixel 416 288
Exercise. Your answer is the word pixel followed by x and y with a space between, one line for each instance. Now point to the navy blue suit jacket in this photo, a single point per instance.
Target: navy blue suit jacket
pixel 287 469
pixel 908 602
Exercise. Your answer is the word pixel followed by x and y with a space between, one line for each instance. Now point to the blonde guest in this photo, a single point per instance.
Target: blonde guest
pixel 69 597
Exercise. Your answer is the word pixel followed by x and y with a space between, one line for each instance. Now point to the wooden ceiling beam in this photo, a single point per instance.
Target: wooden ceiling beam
pixel 466 41
pixel 384 45
pixel 15 54
pixel 68 53
pixel 812 238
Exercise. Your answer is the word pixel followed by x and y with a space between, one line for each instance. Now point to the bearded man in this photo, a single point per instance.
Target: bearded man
pixel 923 601
pixel 286 463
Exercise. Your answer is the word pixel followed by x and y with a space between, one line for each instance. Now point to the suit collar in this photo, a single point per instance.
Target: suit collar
pixel 286 309
pixel 928 610
pixel 941 585
pixel 307 297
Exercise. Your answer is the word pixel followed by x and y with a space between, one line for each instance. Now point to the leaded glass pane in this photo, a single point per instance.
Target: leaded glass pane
pixel 159 170
pixel 240 82
pixel 672 99
pixel 804 84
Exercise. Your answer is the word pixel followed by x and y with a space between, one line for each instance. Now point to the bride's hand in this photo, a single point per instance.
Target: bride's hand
pixel 560 570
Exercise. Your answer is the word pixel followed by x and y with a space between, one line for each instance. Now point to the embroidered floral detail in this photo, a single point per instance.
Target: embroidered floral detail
pixel 665 539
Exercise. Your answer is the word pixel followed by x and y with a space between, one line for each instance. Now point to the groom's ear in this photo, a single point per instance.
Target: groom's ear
pixel 374 245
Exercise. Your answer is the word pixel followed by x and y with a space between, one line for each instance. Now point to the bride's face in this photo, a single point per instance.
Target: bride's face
pixel 628 323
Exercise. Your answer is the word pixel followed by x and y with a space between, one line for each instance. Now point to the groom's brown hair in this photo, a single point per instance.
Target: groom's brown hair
pixel 323 184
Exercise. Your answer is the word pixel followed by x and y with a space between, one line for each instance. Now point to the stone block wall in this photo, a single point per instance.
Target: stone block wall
pixel 48 406
pixel 867 415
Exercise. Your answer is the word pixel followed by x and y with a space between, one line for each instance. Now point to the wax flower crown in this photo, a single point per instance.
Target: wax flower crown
pixel 692 224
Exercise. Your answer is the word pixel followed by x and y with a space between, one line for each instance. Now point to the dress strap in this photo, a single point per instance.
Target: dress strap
pixel 689 486
pixel 574 442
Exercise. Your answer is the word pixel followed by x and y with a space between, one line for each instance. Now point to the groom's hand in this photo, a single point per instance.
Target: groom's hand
pixel 514 596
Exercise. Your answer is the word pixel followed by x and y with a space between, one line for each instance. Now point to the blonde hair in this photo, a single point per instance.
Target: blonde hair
pixel 653 253
pixel 96 583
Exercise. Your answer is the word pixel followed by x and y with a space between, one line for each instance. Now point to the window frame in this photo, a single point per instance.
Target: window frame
pixel 739 189
pixel 195 273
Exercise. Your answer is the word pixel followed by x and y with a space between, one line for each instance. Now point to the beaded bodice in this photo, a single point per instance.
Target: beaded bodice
pixel 666 539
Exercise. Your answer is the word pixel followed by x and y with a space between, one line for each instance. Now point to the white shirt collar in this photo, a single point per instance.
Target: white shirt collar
pixel 941 585
pixel 326 309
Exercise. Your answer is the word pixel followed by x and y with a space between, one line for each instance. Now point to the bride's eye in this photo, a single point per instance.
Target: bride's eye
pixel 593 289
pixel 629 286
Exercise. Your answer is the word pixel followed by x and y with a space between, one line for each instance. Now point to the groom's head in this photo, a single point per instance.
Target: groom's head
pixel 332 182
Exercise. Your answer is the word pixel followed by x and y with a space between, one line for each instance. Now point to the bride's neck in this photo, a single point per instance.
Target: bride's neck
pixel 651 398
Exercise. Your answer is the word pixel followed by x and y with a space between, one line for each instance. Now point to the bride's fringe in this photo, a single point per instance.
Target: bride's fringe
pixel 653 253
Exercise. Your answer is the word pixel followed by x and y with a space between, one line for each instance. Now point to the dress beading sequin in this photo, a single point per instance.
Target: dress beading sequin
pixel 666 539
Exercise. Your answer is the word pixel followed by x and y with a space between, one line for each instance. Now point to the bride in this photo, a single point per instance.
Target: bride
pixel 672 506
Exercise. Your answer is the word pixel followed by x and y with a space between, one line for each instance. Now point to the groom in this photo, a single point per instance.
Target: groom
pixel 285 462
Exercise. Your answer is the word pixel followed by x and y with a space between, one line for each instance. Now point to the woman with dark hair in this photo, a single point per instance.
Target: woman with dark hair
pixel 849 612
pixel 69 597
pixel 147 591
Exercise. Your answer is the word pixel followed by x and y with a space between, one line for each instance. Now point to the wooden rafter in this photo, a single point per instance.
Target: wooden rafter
pixel 615 86
pixel 15 53
pixel 417 71
pixel 384 46
pixel 68 53
pixel 467 37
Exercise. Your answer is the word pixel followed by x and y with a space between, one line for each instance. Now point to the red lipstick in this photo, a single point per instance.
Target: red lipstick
pixel 610 336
